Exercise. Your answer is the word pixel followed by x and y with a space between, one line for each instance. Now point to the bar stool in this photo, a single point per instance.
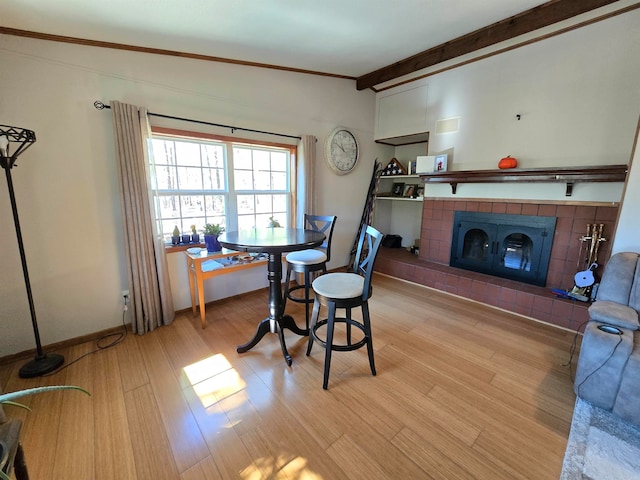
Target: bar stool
pixel 347 291
pixel 308 261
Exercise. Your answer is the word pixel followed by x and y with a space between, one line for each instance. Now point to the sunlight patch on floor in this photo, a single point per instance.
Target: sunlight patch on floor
pixel 213 379
pixel 269 468
pixel 207 368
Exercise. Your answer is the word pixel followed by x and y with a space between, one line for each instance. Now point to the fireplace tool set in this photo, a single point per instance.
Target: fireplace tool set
pixel 585 287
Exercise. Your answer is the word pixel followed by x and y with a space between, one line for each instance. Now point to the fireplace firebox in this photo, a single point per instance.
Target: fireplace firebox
pixel 517 247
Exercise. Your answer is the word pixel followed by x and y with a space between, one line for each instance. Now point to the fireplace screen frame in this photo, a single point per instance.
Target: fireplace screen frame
pixel 478 244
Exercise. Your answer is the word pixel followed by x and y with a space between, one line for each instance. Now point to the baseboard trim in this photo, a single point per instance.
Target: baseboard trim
pixel 27 354
pixel 63 344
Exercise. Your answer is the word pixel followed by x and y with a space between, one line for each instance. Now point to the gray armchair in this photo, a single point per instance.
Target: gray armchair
pixel 608 373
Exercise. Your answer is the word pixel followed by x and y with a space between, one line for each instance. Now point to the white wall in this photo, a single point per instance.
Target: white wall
pixel 66 185
pixel 578 95
pixel 628 232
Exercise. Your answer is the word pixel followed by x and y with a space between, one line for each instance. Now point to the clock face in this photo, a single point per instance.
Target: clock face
pixel 342 151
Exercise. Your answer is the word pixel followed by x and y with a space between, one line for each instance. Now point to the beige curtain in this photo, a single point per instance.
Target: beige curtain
pixel 305 197
pixel 149 287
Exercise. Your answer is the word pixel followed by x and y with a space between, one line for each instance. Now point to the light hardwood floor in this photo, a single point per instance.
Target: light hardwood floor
pixel 463 391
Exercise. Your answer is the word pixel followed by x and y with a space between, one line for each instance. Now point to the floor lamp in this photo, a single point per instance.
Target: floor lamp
pixel 21 139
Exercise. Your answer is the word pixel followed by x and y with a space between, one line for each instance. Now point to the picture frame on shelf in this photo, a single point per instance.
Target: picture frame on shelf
pixel 398 189
pixel 440 163
pixel 420 191
pixel 412 167
pixel 410 191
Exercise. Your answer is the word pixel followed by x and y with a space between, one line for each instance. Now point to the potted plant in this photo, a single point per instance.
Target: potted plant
pixel 274 223
pixel 8 399
pixel 175 236
pixel 195 236
pixel 211 233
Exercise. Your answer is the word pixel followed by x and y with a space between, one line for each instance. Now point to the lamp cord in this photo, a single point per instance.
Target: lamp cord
pixel 572 350
pixel 602 364
pixel 120 336
pixel 609 357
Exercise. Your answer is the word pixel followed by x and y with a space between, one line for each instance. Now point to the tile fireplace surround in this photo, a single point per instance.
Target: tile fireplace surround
pixel 431 267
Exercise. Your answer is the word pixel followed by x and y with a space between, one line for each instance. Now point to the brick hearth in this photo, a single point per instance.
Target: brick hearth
pixel 431 267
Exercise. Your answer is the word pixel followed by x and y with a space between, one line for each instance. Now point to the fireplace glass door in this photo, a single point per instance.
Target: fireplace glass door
pixel 510 246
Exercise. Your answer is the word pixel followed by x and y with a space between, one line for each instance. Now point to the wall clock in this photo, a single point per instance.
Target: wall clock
pixel 341 151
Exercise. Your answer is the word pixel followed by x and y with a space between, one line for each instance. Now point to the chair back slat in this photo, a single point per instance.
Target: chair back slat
pixel 322 224
pixel 368 246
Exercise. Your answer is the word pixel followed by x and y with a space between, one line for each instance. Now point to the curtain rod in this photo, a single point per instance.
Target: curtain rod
pixel 101 106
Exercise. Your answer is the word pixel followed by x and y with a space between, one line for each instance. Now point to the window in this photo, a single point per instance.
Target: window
pixel 208 179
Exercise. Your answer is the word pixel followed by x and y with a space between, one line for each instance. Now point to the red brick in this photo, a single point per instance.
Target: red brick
pixel 508 295
pixel 492 294
pixel 478 287
pixel 606 214
pixel 568 211
pixel 561 308
pixel 514 208
pixel 585 212
pixel 547 210
pixel 464 283
pixel 499 207
pixel 471 207
pixel 529 209
pixel 524 299
pixel 522 310
pixel 452 280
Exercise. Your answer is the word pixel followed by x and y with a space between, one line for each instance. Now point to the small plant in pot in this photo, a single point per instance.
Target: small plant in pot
pixel 211 233
pixel 175 236
pixel 195 236
pixel 274 223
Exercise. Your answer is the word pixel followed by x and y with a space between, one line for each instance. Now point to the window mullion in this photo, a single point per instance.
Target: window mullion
pixel 232 196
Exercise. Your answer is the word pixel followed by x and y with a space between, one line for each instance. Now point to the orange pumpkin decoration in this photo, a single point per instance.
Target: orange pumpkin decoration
pixel 508 162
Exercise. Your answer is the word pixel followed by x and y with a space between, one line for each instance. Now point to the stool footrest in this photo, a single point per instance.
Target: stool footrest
pixel 297 299
pixel 340 347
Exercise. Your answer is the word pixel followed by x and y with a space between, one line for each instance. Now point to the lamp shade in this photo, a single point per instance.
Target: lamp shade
pixel 14 141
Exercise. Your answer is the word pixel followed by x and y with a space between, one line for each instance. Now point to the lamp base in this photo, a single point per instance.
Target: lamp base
pixel 41 365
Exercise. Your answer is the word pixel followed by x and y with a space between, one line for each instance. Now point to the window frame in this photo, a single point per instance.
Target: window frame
pixel 230 192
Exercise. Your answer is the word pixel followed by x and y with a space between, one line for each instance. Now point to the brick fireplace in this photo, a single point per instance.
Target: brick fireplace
pixel 431 267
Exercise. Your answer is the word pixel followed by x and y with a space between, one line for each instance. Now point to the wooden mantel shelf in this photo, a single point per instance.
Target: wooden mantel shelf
pixel 568 175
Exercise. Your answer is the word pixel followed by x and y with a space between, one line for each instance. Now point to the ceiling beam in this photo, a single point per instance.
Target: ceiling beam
pixel 525 22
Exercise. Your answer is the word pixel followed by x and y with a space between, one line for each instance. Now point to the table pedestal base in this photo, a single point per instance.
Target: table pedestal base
pixel 265 326
pixel 274 242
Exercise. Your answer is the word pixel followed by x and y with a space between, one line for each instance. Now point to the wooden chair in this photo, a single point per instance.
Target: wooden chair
pixel 306 262
pixel 347 291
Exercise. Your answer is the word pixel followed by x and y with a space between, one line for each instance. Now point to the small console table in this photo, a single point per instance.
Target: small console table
pixel 197 276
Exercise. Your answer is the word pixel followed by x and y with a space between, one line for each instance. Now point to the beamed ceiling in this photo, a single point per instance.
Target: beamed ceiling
pixel 373 42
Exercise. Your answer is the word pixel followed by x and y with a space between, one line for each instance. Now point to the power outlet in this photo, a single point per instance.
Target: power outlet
pixel 125 299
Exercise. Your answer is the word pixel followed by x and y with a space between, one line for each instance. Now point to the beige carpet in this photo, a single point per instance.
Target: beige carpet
pixel 601 446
